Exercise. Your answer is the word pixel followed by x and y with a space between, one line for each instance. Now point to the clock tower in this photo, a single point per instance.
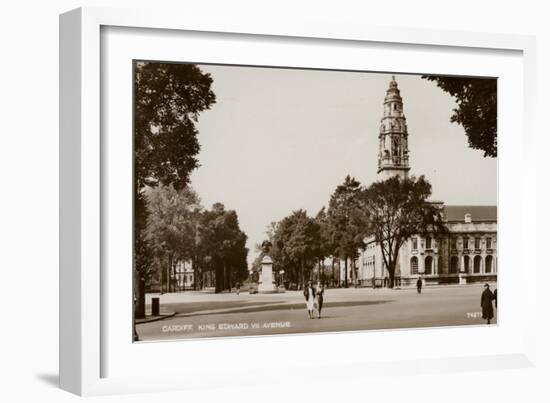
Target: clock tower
pixel 393 153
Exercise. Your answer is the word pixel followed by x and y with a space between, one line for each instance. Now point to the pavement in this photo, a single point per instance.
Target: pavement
pixel 205 314
pixel 154 318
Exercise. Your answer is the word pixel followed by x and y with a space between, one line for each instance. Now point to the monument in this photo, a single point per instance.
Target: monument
pixel 266 283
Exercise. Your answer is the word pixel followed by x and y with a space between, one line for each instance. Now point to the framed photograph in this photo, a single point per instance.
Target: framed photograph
pixel 250 193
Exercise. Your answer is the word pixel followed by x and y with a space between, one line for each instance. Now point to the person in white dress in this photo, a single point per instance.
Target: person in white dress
pixel 309 294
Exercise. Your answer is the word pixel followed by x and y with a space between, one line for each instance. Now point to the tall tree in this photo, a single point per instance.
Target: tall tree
pixel 168 98
pixel 171 226
pixel 143 254
pixel 304 243
pixel 296 244
pixel 476 111
pixel 348 222
pixel 222 237
pixel 398 209
pixel 326 246
pixel 279 234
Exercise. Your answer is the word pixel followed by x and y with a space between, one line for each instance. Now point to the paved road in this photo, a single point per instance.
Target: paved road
pixel 214 315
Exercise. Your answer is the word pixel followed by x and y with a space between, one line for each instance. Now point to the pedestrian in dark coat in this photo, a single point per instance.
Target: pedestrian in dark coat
pixel 319 298
pixel 487 304
pixel 495 296
pixel 419 285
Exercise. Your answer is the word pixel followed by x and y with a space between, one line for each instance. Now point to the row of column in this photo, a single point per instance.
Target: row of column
pixel 461 268
pixel 482 265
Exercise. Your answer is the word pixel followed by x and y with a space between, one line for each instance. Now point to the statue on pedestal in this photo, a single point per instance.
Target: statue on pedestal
pixel 266 247
pixel 266 283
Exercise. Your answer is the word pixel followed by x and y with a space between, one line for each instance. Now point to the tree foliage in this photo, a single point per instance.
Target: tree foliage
pixel 168 98
pixel 347 222
pixel 326 242
pixel 179 229
pixel 143 254
pixel 295 245
pixel 221 238
pixel 171 224
pixel 398 209
pixel 476 111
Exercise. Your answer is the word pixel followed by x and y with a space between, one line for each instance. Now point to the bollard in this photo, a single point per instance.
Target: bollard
pixel 155 306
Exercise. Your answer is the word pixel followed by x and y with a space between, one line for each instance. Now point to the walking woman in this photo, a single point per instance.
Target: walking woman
pixel 309 294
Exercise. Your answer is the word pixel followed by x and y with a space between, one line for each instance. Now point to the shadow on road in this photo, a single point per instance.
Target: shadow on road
pixel 280 307
pixel 190 307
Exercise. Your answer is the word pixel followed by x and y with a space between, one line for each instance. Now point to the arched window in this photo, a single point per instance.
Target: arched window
pixel 466 264
pixel 488 264
pixel 453 269
pixel 414 265
pixel 428 265
pixel 477 264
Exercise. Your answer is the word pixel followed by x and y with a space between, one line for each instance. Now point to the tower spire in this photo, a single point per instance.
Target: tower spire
pixel 393 154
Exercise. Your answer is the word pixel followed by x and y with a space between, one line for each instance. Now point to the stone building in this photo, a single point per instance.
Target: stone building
pixel 184 275
pixel 393 153
pixel 468 253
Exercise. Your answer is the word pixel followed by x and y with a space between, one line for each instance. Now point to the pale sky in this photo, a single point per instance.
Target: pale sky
pixel 279 140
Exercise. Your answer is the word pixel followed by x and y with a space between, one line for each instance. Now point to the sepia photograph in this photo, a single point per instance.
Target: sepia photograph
pixel 272 200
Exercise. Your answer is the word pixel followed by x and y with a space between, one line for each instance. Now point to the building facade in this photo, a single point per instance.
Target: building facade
pixel 467 253
pixel 184 275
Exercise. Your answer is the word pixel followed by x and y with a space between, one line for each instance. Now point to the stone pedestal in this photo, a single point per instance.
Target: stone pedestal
pixel 461 279
pixel 266 283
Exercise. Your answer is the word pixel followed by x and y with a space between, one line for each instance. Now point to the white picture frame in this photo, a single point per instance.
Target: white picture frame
pixel 82 173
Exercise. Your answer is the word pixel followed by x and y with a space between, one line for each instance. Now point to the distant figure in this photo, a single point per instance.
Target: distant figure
pixel 309 294
pixel 495 297
pixel 238 287
pixel 487 304
pixel 319 298
pixel 419 285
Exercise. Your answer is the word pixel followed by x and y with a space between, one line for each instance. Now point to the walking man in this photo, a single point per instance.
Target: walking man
pixel 487 304
pixel 319 298
pixel 419 285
